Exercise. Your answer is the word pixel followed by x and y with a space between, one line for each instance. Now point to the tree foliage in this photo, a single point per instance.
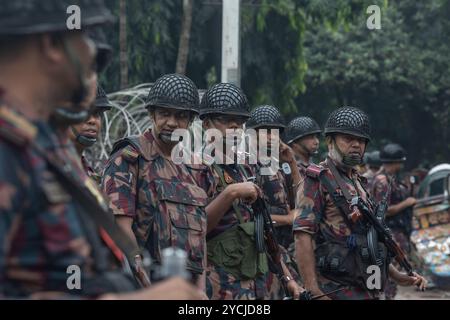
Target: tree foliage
pixel 310 56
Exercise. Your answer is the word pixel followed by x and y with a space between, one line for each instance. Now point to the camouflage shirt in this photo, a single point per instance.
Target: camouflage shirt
pixel 274 188
pixel 90 171
pixel 398 193
pixel 42 229
pixel 319 215
pixel 166 200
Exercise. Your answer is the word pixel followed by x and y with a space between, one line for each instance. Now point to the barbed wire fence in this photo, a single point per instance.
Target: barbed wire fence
pixel 128 117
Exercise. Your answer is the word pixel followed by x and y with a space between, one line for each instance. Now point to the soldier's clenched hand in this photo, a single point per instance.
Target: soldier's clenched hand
pixel 414 280
pixel 247 191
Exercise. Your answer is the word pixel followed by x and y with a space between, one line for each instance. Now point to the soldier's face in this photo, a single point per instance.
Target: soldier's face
pixel 62 71
pixel 309 143
pixel 268 133
pixel 349 144
pixel 166 121
pixel 91 127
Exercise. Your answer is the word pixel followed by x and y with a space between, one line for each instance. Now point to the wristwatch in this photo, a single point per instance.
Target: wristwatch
pixel 286 279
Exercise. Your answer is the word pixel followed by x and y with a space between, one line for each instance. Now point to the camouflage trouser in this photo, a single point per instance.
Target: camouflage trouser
pixel 350 293
pixel 221 285
pixel 288 257
pixel 390 291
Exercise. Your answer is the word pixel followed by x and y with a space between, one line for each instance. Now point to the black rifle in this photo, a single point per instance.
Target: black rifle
pixel 384 233
pixel 266 240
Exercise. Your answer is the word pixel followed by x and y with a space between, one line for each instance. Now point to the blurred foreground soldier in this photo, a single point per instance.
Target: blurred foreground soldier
pixel 264 119
pixel 156 201
pixel 302 135
pixel 45 229
pixel 336 230
pixel 236 269
pixel 399 212
pixel 374 164
pixel 86 134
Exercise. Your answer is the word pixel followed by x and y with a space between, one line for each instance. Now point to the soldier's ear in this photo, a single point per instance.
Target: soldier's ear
pixel 206 123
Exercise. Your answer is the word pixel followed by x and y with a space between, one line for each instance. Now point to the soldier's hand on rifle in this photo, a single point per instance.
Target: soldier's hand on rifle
pixel 415 280
pixel 410 201
pixel 294 289
pixel 172 289
pixel 247 191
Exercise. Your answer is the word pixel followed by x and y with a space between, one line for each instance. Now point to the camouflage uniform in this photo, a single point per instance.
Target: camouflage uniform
pixel 220 284
pixel 90 171
pixel 398 193
pixel 166 200
pixel 342 249
pixel 274 188
pixel 45 234
pixel 319 214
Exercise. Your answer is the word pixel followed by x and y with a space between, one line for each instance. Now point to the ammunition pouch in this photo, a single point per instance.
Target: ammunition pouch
pixel 235 251
pixel 347 263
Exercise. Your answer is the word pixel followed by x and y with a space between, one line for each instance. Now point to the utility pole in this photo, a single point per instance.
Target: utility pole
pixel 231 72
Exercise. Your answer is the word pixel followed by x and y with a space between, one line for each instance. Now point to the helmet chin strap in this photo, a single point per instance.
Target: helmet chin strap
pixel 76 115
pixel 83 140
pixel 346 160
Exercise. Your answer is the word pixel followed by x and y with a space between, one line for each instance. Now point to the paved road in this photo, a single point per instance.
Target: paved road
pixel 410 293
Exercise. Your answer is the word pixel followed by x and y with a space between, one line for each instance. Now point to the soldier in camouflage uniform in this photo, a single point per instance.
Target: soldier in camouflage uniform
pixel 44 230
pixel 160 203
pixel 85 135
pixel 235 269
pixel 374 164
pixel 302 135
pixel 275 186
pixel 399 213
pixel 332 247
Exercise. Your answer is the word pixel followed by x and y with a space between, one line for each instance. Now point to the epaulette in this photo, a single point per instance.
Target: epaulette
pixel 314 170
pixel 15 128
pixel 130 154
pixel 129 148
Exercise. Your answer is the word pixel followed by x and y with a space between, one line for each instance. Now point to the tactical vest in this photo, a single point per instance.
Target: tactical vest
pixel 346 260
pixel 234 250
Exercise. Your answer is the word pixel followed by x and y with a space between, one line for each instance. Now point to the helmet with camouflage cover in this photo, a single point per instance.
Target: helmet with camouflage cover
pixel 224 99
pixel 301 127
pixel 265 116
pixel 348 120
pixel 174 91
pixel 392 152
pixel 22 17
